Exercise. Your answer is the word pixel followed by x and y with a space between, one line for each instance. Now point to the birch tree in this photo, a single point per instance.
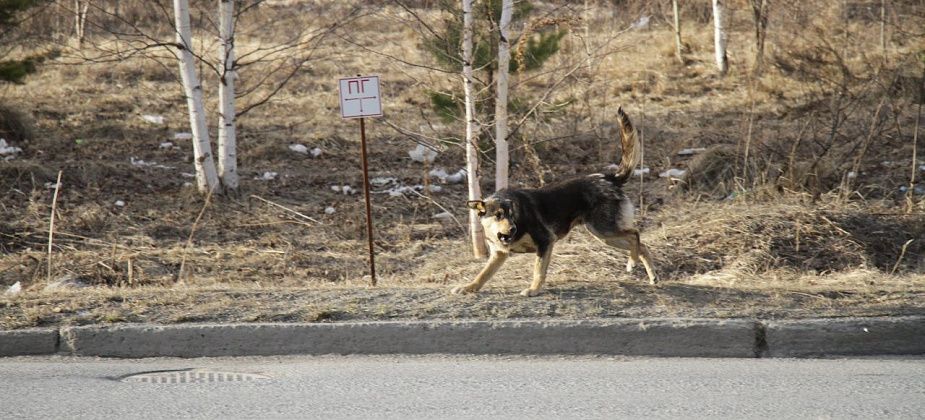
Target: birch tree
pixel 476 234
pixel 760 14
pixel 227 139
pixel 206 176
pixel 677 31
pixel 719 36
pixel 502 155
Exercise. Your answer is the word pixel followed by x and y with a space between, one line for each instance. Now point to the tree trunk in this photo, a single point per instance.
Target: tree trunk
pixel 476 234
pixel 227 139
pixel 81 8
pixel 760 9
pixel 719 36
pixel 502 157
pixel 677 32
pixel 206 176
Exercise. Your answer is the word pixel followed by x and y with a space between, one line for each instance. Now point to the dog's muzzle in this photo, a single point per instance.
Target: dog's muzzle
pixel 507 238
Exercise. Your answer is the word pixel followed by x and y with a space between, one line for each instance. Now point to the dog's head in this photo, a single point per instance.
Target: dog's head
pixel 497 217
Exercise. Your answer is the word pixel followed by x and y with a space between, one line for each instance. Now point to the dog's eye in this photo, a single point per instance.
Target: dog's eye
pixel 499 215
pixel 481 214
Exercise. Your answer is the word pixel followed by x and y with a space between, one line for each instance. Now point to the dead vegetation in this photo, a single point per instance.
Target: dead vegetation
pixel 795 206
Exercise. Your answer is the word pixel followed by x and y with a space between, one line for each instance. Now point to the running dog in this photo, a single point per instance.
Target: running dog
pixel 532 220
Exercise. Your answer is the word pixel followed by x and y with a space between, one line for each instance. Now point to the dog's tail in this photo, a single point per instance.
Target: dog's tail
pixel 632 150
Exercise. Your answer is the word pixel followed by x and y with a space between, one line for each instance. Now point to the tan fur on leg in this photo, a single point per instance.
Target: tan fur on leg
pixel 540 266
pixel 494 263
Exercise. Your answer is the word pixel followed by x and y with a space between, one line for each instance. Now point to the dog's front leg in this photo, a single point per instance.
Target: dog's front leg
pixel 539 272
pixel 494 263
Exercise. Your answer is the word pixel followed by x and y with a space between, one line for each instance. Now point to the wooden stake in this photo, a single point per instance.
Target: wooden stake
pixel 51 223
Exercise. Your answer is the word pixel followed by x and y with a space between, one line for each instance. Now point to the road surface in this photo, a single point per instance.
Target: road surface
pixel 468 387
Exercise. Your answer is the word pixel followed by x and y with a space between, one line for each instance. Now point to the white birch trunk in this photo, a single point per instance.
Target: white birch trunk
pixel 206 176
pixel 81 8
pixel 677 31
pixel 719 36
pixel 227 138
pixel 476 234
pixel 502 156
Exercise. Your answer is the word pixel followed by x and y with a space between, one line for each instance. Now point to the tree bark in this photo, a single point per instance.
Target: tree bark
pixel 502 157
pixel 81 8
pixel 206 176
pixel 760 9
pixel 677 31
pixel 476 234
pixel 719 36
pixel 227 136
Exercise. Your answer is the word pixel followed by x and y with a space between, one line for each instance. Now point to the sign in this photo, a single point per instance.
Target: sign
pixel 359 97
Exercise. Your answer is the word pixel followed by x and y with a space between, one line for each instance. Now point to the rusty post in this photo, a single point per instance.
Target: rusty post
pixel 369 214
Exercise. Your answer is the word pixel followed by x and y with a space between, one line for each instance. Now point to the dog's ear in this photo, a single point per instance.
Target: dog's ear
pixel 477 205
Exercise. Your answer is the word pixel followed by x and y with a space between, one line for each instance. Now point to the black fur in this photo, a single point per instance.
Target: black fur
pixel 550 212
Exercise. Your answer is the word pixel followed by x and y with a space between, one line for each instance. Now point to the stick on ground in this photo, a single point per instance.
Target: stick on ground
pixel 51 223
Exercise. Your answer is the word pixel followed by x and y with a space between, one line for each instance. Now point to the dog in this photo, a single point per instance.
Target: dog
pixel 532 220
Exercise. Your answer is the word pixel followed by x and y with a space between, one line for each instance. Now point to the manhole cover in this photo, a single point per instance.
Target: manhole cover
pixel 192 376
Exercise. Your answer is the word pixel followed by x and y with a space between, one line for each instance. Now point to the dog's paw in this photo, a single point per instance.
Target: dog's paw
pixel 531 292
pixel 464 289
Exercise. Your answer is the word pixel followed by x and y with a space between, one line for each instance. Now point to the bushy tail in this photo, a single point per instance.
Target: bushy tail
pixel 632 152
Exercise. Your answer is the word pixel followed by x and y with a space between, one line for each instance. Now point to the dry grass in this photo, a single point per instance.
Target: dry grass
pixel 772 240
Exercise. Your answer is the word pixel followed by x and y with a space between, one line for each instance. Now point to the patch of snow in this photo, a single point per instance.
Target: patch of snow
pixel 119 203
pixel 182 136
pixel 15 289
pixel 422 154
pixel 316 152
pixel 381 181
pixel 443 216
pixel 641 171
pixel 299 148
pixel 187 175
pixel 7 150
pixel 153 119
pixel 922 168
pixel 66 282
pixel 456 178
pixel 400 190
pixel 345 189
pixel 852 174
pixel 612 167
pixel 329 210
pixel 267 176
pixel 447 178
pixel 166 145
pixel 692 151
pixel 642 23
pixel 51 185
pixel 187 184
pixel 673 173
pixel 140 164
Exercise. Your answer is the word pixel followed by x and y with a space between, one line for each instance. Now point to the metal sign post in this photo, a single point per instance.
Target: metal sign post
pixel 359 98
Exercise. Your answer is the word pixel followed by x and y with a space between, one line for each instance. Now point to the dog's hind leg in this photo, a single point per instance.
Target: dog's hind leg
pixel 539 272
pixel 628 240
pixel 494 263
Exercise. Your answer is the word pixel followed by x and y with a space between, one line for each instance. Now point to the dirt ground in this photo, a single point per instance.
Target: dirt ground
pixel 812 222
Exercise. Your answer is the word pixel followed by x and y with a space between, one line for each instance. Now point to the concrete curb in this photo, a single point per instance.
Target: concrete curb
pixel 845 337
pixel 33 341
pixel 655 337
pixel 632 337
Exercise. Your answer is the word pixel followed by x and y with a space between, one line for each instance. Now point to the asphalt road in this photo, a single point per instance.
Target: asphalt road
pixel 468 387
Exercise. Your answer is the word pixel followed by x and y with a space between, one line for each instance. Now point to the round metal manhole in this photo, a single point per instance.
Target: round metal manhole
pixel 192 376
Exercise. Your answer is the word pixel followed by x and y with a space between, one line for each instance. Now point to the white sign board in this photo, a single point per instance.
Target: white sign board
pixel 359 97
